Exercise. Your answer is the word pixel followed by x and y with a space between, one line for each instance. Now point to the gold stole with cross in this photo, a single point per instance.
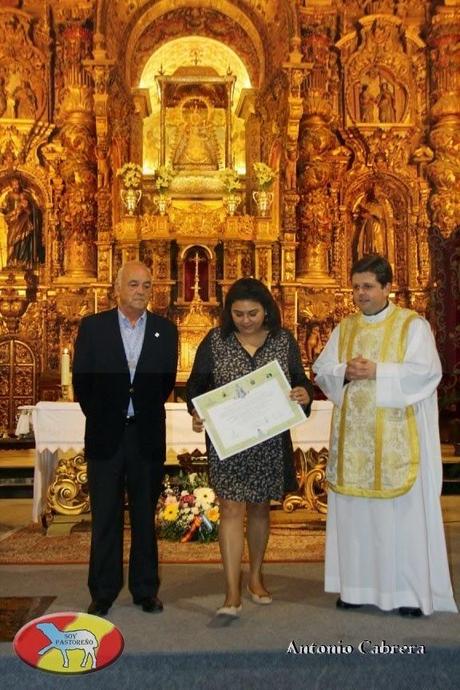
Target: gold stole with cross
pixel 374 451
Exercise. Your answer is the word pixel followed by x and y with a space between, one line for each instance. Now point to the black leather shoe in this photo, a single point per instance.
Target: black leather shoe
pixel 150 604
pixel 99 607
pixel 409 612
pixel 345 605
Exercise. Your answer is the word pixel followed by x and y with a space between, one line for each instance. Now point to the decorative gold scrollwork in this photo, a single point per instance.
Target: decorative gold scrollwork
pixel 68 493
pixel 311 477
pixel 196 461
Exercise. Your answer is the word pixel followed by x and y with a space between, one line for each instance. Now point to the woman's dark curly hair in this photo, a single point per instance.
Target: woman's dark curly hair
pixel 254 290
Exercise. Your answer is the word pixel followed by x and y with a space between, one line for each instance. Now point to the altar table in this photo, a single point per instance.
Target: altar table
pixel 59 427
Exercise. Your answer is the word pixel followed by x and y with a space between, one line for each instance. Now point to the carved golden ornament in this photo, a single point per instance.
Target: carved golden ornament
pixel 16 292
pixel 311 477
pixel 264 230
pixel 197 221
pixel 24 74
pixel 315 304
pixel 380 77
pixel 239 228
pixel 153 226
pixel 192 328
pixel 317 108
pixel 127 230
pixel 12 307
pixel 68 493
pixel 445 208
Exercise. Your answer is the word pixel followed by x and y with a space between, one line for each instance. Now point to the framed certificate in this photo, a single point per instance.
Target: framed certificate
pixel 248 410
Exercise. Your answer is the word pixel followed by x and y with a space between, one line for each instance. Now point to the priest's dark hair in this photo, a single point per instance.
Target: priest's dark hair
pixel 376 264
pixel 254 290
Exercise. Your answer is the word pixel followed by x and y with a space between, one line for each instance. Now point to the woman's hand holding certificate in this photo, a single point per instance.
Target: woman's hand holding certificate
pixel 249 410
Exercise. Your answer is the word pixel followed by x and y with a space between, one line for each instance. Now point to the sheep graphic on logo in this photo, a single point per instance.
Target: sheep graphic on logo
pixel 65 642
pixel 69 642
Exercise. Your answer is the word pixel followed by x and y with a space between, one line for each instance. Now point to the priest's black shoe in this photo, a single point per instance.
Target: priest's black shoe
pixel 345 605
pixel 150 604
pixel 99 607
pixel 409 612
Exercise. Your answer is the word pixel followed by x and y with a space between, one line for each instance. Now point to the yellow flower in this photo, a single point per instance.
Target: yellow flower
pixel 163 177
pixel 131 174
pixel 264 175
pixel 213 514
pixel 171 512
pixel 230 180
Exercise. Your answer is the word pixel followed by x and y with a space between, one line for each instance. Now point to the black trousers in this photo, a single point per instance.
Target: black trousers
pixel 127 470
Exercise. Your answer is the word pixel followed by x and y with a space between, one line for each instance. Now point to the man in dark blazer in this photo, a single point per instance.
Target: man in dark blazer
pixel 124 369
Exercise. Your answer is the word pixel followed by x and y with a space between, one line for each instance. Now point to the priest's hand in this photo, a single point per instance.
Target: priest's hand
pixel 360 368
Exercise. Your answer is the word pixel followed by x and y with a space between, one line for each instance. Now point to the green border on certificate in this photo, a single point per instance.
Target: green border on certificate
pixel 248 410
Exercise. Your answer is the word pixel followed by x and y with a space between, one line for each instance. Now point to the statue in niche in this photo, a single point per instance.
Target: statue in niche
pixel 386 103
pixel 366 104
pixel 23 219
pixel 25 101
pixel 196 143
pixel 313 342
pixel 371 231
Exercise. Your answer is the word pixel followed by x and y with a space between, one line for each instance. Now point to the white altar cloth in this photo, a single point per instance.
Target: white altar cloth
pixel 60 427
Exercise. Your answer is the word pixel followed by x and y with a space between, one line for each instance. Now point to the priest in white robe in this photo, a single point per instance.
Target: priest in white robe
pixel 385 542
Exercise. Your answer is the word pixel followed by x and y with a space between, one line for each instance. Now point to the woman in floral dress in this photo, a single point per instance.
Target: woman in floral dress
pixel 249 337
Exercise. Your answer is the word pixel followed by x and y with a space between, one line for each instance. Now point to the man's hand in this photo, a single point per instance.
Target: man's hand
pixel 360 368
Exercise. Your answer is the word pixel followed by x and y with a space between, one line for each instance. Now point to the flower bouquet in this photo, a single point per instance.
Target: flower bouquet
pixel 264 175
pixel 188 509
pixel 131 175
pixel 230 180
pixel 163 178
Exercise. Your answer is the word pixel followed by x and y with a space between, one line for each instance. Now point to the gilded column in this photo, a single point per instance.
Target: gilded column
pixel 444 171
pixel 99 68
pixel 77 136
pixel 317 140
pixel 444 203
pixel 297 71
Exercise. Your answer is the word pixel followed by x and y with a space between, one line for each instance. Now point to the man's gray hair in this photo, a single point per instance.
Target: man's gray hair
pixel 134 262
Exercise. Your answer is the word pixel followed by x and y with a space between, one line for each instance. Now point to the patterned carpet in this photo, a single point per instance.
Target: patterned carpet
pixel 30 546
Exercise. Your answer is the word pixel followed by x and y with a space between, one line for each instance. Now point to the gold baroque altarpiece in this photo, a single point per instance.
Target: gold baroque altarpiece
pixel 355 105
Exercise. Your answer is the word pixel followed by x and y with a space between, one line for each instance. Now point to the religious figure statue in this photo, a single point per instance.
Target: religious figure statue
pixel 196 144
pixel 23 219
pixel 103 168
pixel 313 342
pixel 386 104
pixel 290 171
pixel 370 236
pixel 25 101
pixel 366 104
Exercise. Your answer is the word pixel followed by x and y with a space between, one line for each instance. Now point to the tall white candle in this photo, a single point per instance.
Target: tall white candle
pixel 65 368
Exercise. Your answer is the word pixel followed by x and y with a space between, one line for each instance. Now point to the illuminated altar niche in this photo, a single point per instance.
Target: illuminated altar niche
pixel 195 57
